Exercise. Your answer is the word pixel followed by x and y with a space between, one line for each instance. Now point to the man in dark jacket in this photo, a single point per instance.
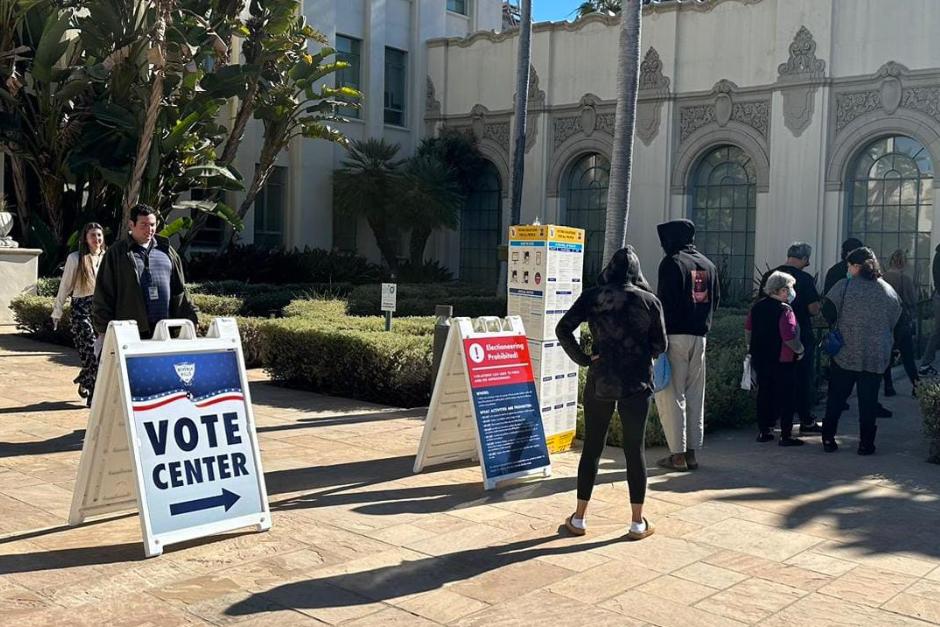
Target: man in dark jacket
pixel 837 272
pixel 689 291
pixel 141 279
pixel 926 366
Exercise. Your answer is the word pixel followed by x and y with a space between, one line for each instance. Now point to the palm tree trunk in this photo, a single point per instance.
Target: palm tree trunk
pixel 628 76
pixel 153 110
pixel 419 241
pixel 523 57
pixel 21 193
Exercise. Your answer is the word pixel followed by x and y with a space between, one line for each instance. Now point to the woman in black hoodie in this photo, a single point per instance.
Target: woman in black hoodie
pixel 626 322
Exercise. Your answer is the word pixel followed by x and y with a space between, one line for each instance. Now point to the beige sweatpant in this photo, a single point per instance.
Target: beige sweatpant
pixel 681 404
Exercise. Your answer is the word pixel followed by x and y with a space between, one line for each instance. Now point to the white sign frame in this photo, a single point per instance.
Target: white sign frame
pixel 389 297
pixel 447 438
pixel 103 485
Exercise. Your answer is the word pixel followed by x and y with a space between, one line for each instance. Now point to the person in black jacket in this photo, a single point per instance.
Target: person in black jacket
pixel 837 272
pixel 628 331
pixel 930 353
pixel 689 291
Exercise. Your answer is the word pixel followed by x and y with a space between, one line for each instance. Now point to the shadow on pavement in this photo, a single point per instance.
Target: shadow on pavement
pixel 44 406
pixel 408 577
pixel 68 442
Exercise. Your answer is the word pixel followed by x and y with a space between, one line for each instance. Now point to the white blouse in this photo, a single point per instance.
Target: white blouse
pixel 69 286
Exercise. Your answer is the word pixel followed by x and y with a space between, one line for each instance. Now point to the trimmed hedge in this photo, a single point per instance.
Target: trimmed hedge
pixel 217 305
pixel 390 368
pixel 266 299
pixel 311 265
pixel 332 314
pixel 420 300
pixel 928 394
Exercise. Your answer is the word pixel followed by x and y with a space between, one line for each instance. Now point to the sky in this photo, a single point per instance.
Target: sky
pixel 553 10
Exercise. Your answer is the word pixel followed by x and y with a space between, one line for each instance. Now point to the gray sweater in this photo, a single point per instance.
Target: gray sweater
pixel 867 313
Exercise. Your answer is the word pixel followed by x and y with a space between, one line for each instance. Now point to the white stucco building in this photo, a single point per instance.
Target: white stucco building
pixel 385 43
pixel 765 121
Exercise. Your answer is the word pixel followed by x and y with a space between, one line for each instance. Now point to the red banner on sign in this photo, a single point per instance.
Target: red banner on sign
pixel 498 361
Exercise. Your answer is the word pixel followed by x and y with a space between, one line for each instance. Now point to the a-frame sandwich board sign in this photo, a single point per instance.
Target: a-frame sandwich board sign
pixel 484 405
pixel 172 435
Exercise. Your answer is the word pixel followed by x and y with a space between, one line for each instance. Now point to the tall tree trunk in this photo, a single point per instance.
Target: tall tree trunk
pixel 153 110
pixel 269 151
pixel 418 242
pixel 628 76
pixel 383 239
pixel 21 193
pixel 245 109
pixel 523 57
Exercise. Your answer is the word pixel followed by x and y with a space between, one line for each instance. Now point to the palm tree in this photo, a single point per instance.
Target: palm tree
pixel 366 185
pixel 628 77
pixel 607 7
pixel 523 57
pixel 431 200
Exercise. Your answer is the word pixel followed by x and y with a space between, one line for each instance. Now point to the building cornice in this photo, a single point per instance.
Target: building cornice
pixel 566 26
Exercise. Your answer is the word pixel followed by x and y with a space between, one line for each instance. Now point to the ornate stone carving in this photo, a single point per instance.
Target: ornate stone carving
pixel 651 72
pixel 727 106
pixel 851 106
pixel 587 121
pixel 497 131
pixel 802 63
pixel 432 106
pixel 890 95
pixel 926 100
pixel 654 88
pixel 803 71
pixel 534 104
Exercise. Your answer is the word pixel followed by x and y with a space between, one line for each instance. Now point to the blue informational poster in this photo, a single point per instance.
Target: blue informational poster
pixel 509 420
pixel 194 441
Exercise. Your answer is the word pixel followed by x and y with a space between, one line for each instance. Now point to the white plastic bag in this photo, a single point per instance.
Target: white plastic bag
pixel 747 377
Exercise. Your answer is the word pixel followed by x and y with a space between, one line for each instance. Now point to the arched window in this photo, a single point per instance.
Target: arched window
pixel 724 209
pixel 891 202
pixel 586 206
pixel 480 227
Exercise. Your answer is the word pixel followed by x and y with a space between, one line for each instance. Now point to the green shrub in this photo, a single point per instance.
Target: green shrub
pixel 33 315
pixel 332 314
pixel 390 368
pixel 420 300
pixel 311 265
pixel 48 286
pixel 217 305
pixel 928 394
pixel 251 332
pixel 266 299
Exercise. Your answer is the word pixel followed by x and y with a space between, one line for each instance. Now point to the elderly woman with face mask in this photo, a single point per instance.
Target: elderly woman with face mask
pixel 628 331
pixel 773 338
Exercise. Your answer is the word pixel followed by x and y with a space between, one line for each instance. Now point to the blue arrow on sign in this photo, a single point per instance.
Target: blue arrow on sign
pixel 226 499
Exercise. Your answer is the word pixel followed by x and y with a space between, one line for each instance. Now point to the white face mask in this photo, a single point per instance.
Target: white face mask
pixel 791 295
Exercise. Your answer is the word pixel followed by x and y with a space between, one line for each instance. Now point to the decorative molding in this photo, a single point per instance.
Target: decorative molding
pixel 726 105
pixel 892 101
pixel 535 103
pixel 653 90
pixel 588 120
pixel 800 76
pixel 702 6
pixel 432 106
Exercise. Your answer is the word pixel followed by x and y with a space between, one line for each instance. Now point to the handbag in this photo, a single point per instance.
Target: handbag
pixel 662 373
pixel 833 341
pixel 747 377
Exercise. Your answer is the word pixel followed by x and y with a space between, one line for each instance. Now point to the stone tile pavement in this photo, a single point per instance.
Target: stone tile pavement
pixel 758 535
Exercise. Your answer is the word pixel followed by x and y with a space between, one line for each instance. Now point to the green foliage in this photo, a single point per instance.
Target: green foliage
pixel 212 305
pixel 425 272
pixel 48 287
pixel 33 315
pixel 928 394
pixel 420 300
pixel 332 314
pixel 389 368
pixel 310 265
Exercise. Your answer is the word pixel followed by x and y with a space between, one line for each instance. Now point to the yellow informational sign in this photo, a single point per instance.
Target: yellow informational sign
pixel 544 279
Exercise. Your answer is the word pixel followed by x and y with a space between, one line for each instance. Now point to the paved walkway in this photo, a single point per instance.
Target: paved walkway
pixel 759 535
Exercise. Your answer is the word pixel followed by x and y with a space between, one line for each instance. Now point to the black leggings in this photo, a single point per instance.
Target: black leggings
pixel 597 414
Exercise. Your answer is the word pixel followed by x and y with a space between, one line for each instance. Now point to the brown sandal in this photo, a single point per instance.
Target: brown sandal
pixel 576 531
pixel 650 530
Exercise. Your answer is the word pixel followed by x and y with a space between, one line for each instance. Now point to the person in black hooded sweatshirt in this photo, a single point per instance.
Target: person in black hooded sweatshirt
pixel 628 332
pixel 689 291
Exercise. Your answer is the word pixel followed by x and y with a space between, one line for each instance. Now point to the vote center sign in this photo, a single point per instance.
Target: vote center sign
pixel 171 434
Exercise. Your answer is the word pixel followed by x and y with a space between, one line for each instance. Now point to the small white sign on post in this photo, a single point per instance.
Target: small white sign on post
pixel 389 296
pixel 172 435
